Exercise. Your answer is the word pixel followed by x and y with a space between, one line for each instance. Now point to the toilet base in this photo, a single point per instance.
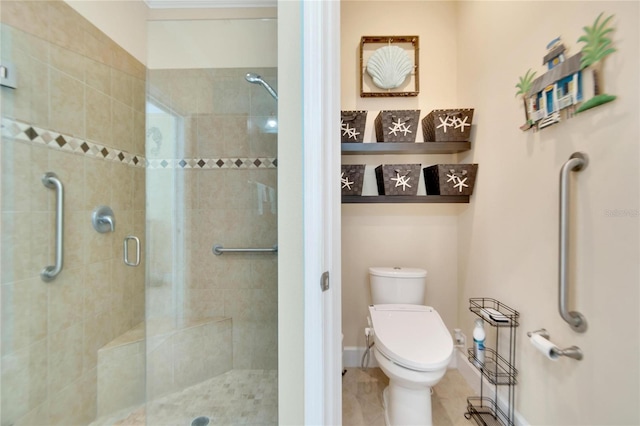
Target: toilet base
pixel 406 406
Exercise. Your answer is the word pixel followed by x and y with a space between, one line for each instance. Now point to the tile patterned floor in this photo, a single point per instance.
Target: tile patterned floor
pixel 238 397
pixel 246 397
pixel 362 398
pixel 250 397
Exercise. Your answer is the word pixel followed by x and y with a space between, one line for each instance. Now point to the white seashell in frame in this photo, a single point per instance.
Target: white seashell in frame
pixel 389 67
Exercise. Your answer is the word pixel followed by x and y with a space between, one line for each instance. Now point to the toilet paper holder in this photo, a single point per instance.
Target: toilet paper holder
pixel 570 352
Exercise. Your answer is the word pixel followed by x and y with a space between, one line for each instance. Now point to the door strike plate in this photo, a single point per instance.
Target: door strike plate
pixel 324 281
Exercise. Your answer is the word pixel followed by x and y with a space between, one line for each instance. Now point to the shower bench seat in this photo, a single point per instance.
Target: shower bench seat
pixel 173 358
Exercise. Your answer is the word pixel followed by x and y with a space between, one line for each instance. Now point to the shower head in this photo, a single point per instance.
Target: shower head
pixel 253 78
pixel 256 79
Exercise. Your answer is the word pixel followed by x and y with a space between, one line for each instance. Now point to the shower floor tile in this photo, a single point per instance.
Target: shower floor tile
pixel 238 397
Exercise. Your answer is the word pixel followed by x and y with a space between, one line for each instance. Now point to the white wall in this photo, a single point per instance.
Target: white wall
pixel 158 14
pixel 125 22
pixel 223 43
pixel 508 238
pixel 410 235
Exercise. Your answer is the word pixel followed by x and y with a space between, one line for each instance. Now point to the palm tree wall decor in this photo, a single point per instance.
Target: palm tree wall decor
pixel 524 86
pixel 597 46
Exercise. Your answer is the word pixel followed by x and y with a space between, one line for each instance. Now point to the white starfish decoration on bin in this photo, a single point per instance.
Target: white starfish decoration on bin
pixel 350 131
pixel 346 183
pixel 458 182
pixel 405 129
pixel 400 126
pixel 461 183
pixel 460 124
pixel 402 181
pixel 444 123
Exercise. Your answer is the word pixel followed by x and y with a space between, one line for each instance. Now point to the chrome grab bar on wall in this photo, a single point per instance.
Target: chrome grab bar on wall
pixel 578 161
pixel 218 250
pixel 51 181
pixel 126 250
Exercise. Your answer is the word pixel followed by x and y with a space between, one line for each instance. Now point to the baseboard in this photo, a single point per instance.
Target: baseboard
pixel 352 357
pixel 472 376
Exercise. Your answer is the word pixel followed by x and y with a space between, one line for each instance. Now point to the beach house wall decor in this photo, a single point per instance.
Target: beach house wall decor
pixel 563 90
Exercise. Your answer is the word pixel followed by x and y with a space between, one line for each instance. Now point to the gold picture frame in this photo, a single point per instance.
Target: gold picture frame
pixel 369 45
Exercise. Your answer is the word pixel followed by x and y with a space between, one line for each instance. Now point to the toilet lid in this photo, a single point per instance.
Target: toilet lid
pixel 412 336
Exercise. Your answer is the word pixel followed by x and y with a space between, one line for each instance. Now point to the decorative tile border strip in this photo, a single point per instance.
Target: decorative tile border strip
pixel 27 133
pixel 214 163
pixel 24 132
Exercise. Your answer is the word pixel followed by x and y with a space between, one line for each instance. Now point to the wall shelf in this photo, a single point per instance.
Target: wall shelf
pixel 410 148
pixel 381 148
pixel 396 199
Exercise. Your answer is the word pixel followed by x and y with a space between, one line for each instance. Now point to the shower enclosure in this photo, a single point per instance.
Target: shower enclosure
pixel 184 154
pixel 211 180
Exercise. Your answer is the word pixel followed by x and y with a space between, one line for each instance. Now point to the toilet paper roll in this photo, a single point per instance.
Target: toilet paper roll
pixel 545 346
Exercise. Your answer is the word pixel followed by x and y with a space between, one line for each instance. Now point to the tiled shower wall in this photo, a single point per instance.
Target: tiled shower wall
pixel 78 111
pixel 228 182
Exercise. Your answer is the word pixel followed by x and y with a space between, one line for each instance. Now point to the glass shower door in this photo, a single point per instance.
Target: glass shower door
pixel 211 180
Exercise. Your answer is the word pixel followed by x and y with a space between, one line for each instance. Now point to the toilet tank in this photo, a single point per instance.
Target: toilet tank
pixel 397 285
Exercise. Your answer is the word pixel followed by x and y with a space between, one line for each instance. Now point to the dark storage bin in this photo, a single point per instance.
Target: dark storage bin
pixel 352 179
pixel 447 125
pixel 397 126
pixel 352 125
pixel 450 179
pixel 398 179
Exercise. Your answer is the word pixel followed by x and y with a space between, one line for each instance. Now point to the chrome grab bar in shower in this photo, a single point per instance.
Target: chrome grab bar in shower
pixel 218 250
pixel 51 181
pixel 578 161
pixel 126 250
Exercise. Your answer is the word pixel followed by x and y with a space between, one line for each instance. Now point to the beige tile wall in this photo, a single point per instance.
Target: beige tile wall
pixel 73 80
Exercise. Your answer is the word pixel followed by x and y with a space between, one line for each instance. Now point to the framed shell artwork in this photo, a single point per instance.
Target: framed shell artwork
pixel 389 66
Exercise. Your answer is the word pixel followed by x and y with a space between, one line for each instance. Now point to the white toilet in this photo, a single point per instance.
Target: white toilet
pixel 412 345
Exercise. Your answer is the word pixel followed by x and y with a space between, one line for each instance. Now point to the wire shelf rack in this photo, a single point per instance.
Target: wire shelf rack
pixel 497 369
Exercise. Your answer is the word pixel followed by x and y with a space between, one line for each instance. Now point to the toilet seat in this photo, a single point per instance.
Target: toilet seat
pixel 412 336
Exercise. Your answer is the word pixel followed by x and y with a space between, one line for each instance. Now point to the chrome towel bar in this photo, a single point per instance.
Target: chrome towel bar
pixel 578 161
pixel 218 250
pixel 51 181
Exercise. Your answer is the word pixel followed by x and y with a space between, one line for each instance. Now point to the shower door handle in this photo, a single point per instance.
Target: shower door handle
pixel 50 180
pixel 126 250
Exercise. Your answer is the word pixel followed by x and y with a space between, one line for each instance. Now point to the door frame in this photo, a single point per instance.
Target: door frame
pixel 322 211
pixel 309 210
